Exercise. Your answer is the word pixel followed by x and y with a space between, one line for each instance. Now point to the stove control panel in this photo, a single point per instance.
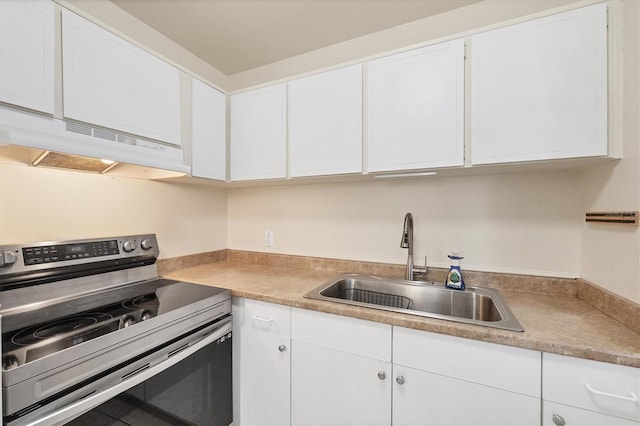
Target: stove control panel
pixel 35 256
pixel 61 252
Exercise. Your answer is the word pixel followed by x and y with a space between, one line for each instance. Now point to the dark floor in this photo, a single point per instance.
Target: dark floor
pixel 125 410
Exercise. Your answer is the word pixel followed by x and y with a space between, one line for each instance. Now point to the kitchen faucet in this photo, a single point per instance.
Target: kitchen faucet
pixel 407 242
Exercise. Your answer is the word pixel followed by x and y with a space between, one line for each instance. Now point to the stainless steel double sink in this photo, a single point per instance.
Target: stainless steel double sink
pixel 480 306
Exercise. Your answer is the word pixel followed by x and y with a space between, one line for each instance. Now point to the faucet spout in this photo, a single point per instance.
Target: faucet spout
pixel 407 233
pixel 407 242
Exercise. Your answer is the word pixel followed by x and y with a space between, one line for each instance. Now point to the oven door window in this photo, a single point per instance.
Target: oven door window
pixel 196 391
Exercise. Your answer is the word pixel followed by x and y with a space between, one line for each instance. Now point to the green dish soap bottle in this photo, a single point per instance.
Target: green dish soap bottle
pixel 455 280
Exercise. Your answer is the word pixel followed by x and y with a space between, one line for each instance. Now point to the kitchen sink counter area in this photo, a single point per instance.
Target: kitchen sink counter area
pixel 554 318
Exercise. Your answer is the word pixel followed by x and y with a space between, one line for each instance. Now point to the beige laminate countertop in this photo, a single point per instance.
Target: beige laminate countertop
pixel 556 324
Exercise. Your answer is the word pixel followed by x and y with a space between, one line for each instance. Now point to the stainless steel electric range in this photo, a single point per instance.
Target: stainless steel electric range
pixel 90 332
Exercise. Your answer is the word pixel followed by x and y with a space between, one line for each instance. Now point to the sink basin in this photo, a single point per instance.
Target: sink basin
pixel 479 306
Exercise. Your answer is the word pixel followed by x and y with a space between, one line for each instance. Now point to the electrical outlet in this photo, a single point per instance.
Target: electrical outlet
pixel 268 238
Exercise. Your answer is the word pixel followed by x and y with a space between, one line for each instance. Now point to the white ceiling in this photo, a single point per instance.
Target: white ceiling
pixel 237 35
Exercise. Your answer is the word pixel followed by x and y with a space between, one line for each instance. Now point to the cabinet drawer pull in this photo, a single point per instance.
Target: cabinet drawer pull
pixel 632 396
pixel 259 318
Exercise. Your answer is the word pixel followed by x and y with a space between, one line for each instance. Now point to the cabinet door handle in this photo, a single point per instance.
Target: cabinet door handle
pixel 282 348
pixel 632 396
pixel 382 375
pixel 259 318
pixel 558 420
pixel 400 380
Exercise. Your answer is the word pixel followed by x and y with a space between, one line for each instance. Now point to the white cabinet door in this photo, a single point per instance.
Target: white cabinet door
pixel 422 398
pixel 264 363
pixel 110 82
pixel 325 123
pixel 258 134
pixel 330 387
pixel 415 109
pixel 209 132
pixel 27 53
pixel 539 89
pixel 554 414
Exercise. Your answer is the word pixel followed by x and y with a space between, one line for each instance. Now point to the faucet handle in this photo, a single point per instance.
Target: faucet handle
pixel 421 269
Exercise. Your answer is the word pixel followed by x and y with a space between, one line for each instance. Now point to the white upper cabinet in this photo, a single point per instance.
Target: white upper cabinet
pixel 27 38
pixel 259 134
pixel 539 89
pixel 415 109
pixel 110 82
pixel 325 123
pixel 209 132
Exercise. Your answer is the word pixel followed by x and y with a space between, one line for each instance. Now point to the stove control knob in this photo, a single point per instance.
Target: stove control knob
pixel 129 246
pixel 146 244
pixel 7 258
pixel 128 321
pixel 146 315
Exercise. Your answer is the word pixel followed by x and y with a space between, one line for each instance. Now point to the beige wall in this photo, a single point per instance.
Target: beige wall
pixel 525 223
pixel 39 204
pixel 611 254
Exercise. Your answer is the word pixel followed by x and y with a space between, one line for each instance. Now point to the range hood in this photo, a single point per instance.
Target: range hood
pixel 28 129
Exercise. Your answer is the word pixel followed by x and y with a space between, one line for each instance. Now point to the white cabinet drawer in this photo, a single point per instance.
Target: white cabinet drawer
pixel 267 317
pixel 572 416
pixel 503 367
pixel 356 336
pixel 596 386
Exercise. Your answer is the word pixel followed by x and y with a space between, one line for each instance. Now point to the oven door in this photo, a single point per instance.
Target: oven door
pixel 192 386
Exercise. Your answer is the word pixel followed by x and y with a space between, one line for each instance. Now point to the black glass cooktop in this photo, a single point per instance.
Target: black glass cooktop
pixel 83 319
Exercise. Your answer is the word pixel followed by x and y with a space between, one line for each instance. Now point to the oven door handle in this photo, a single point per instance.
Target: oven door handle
pixel 79 407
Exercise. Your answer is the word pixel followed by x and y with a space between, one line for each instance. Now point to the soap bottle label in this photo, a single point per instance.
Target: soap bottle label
pixel 454 279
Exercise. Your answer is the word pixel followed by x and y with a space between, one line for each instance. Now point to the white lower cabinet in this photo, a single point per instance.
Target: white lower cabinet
pixel 588 392
pixel 331 387
pixel 446 380
pixel 262 363
pixel 423 398
pixel 301 367
pixel 340 370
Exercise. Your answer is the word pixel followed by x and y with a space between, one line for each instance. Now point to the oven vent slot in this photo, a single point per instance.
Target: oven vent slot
pixel 134 372
pixel 180 349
